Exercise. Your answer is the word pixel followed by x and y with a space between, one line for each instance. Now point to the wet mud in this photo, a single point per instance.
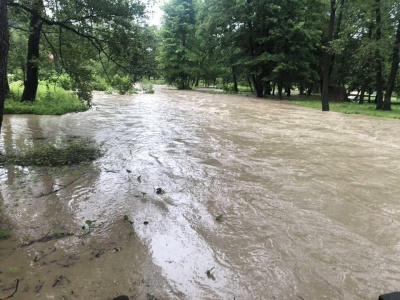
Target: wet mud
pixel 204 196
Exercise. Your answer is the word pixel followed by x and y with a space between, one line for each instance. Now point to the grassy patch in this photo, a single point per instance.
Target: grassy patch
pixel 69 151
pixel 349 107
pixel 50 100
pixel 4 234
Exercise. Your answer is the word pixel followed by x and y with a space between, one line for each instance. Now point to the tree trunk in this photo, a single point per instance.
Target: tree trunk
pixel 327 60
pixel 32 69
pixel 234 78
pixel 280 87
pixel 362 95
pixel 288 91
pixel 267 89
pixel 387 104
pixel 250 85
pixel 378 57
pixel 258 86
pixel 4 46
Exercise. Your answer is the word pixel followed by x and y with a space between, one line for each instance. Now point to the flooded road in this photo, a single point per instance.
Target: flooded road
pixel 309 202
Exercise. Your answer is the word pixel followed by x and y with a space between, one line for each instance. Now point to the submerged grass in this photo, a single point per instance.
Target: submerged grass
pixel 70 151
pixel 50 100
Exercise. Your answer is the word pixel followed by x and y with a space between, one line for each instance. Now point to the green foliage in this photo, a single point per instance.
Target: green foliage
pixel 51 100
pixel 219 218
pixel 109 91
pixel 64 81
pixel 99 83
pixel 69 151
pixel 124 84
pixel 177 56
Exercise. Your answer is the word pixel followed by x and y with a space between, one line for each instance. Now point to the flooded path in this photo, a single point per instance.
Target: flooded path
pixel 309 201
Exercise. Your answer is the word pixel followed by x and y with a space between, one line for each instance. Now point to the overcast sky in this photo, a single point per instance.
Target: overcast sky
pixel 155 17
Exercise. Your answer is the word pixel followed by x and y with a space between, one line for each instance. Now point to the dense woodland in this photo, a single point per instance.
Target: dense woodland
pixel 315 46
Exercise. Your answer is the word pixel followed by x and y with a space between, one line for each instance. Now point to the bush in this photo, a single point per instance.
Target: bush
pixel 64 81
pixel 99 83
pixel 122 84
pixel 147 88
pixel 109 91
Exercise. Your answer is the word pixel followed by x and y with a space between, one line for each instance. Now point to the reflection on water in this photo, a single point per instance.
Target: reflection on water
pixel 309 199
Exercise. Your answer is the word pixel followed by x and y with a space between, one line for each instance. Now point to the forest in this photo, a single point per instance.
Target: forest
pixel 273 47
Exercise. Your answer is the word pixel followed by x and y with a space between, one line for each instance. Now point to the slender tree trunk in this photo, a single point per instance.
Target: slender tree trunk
pixel 250 85
pixel 234 78
pixel 4 46
pixel 362 95
pixel 378 57
pixel 32 71
pixel 280 88
pixel 327 60
pixel 288 91
pixel 268 88
pixel 387 104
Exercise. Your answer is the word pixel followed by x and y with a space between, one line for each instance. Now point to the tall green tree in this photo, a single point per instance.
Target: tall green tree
pixel 4 47
pixel 177 58
pixel 98 23
pixel 328 58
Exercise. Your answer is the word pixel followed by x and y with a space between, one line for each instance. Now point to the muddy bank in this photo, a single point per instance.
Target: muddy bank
pixel 51 254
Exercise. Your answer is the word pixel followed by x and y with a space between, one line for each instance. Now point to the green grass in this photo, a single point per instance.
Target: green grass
pixel 50 100
pixel 314 101
pixel 4 234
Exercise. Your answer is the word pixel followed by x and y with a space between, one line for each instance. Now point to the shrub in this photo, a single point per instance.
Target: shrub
pixel 64 81
pixel 99 83
pixel 122 84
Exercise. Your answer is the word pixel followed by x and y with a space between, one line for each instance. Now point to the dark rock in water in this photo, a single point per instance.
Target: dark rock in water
pixel 391 296
pixel 123 297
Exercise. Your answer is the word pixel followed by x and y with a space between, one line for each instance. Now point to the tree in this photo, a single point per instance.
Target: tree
pixel 378 56
pixel 177 57
pixel 4 47
pixel 32 66
pixel 98 23
pixel 394 64
pixel 327 59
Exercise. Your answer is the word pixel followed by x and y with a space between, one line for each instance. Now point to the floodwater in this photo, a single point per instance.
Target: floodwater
pixel 310 202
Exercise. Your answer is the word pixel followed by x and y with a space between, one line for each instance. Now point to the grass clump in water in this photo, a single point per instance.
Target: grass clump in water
pixel 70 151
pixel 50 100
pixel 4 234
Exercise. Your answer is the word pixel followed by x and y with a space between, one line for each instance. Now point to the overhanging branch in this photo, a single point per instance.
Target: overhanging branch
pixel 95 41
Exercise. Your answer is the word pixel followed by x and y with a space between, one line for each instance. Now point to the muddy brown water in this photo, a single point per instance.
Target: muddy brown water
pixel 310 202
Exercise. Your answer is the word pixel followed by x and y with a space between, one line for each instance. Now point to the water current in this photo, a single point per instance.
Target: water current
pixel 309 200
